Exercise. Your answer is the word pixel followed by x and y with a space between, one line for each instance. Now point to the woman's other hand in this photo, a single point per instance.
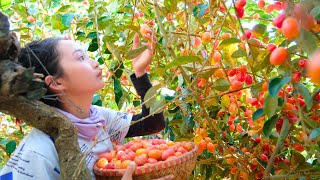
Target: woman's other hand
pixel 144 59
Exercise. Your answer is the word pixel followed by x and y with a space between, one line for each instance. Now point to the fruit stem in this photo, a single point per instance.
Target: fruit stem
pixel 283 134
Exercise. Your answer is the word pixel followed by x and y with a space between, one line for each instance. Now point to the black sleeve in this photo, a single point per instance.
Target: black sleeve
pixel 152 124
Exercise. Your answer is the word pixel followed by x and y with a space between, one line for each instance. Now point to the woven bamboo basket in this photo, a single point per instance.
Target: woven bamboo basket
pixel 181 167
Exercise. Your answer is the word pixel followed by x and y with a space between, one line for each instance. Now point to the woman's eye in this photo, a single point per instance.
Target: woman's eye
pixel 81 57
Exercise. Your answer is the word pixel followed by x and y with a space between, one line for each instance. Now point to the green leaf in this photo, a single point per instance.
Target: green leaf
pixel 307 41
pixel 89 24
pixel 133 28
pixel 56 22
pixel 221 84
pixel 67 18
pixel 11 146
pixel 182 60
pixel 296 159
pixel 258 59
pixel 150 95
pixel 158 71
pixel 315 12
pixel 305 93
pixel 92 35
pixel 117 89
pixel 4 141
pixel 170 5
pixel 276 84
pixel 269 125
pixel 239 53
pixel 229 41
pixel 284 131
pixel 259 29
pixel 158 105
pixel 5 4
pixel 264 164
pixel 93 45
pixel 136 52
pixel 224 172
pixel 103 22
pixel 270 105
pixel 314 133
pixel 95 98
pixel 258 113
pixel 64 8
pixel 199 10
pixel 227 50
pixel 136 103
pixel 55 3
pixel 225 101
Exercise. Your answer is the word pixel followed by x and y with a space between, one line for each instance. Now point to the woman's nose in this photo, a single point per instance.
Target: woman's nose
pixel 95 63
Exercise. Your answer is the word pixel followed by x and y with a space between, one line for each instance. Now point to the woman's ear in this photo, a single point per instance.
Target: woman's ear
pixel 53 84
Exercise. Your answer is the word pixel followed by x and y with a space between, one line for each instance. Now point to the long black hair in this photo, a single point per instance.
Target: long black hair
pixel 44 57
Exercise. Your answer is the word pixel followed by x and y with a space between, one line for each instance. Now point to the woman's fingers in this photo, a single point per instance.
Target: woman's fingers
pixel 129 171
pixel 135 44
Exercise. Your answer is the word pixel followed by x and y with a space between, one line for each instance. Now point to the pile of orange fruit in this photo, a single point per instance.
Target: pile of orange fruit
pixel 142 152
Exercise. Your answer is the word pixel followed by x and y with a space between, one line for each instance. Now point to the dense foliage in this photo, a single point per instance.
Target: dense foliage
pixel 232 76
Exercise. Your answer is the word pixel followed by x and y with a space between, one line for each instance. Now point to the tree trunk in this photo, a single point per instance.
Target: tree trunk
pixel 20 90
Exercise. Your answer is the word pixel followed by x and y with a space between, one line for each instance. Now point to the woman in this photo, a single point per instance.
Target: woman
pixel 72 78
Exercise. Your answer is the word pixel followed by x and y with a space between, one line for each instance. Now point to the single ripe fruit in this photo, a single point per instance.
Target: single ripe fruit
pixel 303 63
pixel 241 3
pixel 167 153
pixel 278 56
pixel 290 28
pixel 233 170
pixel 155 153
pixel 102 162
pixel 264 158
pixel 144 29
pixel 298 147
pixel 206 37
pixel 271 47
pixel 240 12
pixel 261 4
pixel 216 56
pixel 31 19
pixel 210 147
pixel 265 86
pixel 269 8
pixel 106 155
pixel 256 16
pixel 236 85
pixel 232 72
pixel 296 77
pixel 277 22
pixel 141 160
pixel 232 127
pixel 300 11
pixel 239 128
pixel 313 68
pixel 196 42
pixel 124 164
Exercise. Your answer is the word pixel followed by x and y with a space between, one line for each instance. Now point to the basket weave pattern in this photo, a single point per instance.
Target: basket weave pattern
pixel 181 167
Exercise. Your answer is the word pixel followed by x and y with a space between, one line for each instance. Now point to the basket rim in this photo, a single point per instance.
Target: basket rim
pixel 149 168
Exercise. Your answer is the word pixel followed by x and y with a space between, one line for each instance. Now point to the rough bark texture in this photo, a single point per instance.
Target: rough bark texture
pixel 20 90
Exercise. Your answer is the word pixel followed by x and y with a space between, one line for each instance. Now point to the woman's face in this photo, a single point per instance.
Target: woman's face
pixel 81 73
